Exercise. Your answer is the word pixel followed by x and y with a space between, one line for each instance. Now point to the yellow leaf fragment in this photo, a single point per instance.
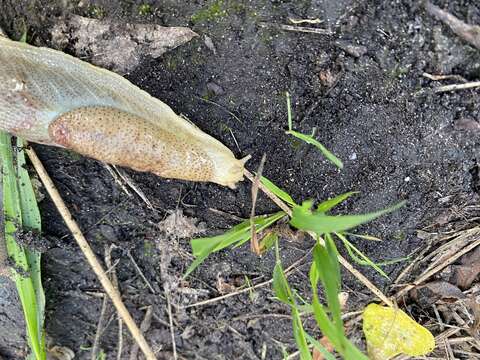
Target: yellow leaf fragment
pixel 390 332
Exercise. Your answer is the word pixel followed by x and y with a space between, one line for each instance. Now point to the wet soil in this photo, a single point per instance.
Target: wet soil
pixel 398 139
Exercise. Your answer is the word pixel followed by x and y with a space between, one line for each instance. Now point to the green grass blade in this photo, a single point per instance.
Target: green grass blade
pixel 238 235
pixel 277 191
pixel 310 140
pixel 21 272
pixel 316 344
pixel 329 204
pixel 329 276
pixel 320 223
pixel 359 257
pixel 280 283
pixel 300 335
pixel 31 220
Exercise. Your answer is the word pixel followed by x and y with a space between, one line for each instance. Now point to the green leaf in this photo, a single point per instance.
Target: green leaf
pixel 359 257
pixel 300 335
pixel 280 283
pixel 321 224
pixel 310 140
pixel 316 344
pixel 238 235
pixel 327 205
pixel 28 285
pixel 326 263
pixel 31 220
pixel 277 191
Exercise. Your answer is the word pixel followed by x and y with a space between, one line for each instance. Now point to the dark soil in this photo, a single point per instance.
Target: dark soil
pixel 397 138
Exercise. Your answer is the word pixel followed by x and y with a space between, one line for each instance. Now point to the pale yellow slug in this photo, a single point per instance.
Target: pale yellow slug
pixel 52 98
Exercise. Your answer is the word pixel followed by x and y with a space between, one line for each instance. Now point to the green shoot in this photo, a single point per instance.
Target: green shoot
pixel 238 235
pixel 318 222
pixel 285 294
pixel 309 139
pixel 329 204
pixel 282 194
pixel 21 212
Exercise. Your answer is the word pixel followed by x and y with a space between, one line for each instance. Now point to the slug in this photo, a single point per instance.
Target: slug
pixel 52 98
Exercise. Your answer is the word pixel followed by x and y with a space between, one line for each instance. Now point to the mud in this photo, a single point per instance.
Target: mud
pixel 372 108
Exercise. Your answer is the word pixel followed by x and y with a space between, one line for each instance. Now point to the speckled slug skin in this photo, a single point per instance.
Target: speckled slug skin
pixel 52 98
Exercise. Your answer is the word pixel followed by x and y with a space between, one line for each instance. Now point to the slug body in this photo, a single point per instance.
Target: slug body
pixel 52 98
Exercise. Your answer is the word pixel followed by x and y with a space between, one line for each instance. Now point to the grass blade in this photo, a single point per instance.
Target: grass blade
pixel 238 235
pixel 321 224
pixel 310 140
pixel 28 289
pixel 316 344
pixel 329 204
pixel 359 257
pixel 277 191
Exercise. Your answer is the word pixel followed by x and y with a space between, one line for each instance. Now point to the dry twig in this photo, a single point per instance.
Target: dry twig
pixel 89 254
pixel 255 184
pixel 144 326
pixel 469 33
pixel 304 29
pixel 455 87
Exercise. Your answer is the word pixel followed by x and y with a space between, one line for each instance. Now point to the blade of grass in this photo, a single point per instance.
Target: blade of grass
pixel 277 191
pixel 329 204
pixel 300 335
pixel 31 220
pixel 316 344
pixel 359 257
pixel 310 140
pixel 238 235
pixel 321 224
pixel 285 294
pixel 21 272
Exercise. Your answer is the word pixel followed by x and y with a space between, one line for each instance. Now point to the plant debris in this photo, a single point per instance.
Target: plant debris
pixel 116 45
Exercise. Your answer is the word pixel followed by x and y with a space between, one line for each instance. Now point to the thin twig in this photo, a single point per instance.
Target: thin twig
pixel 341 259
pixel 304 29
pixel 288 270
pixel 253 230
pixel 100 328
pixel 89 254
pixel 455 87
pixel 170 323
pixel 128 180
pixel 116 178
pixel 113 276
pixel 444 77
pixel 469 33
pixel 144 326
pixel 139 271
pixel 450 260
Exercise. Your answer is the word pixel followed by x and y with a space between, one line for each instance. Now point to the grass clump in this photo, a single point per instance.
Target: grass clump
pixel 325 267
pixel 21 213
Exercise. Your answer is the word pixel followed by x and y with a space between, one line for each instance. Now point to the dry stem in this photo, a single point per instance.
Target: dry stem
pixel 90 255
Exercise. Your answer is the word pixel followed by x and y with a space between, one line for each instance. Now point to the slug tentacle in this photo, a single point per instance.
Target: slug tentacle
pixel 52 98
